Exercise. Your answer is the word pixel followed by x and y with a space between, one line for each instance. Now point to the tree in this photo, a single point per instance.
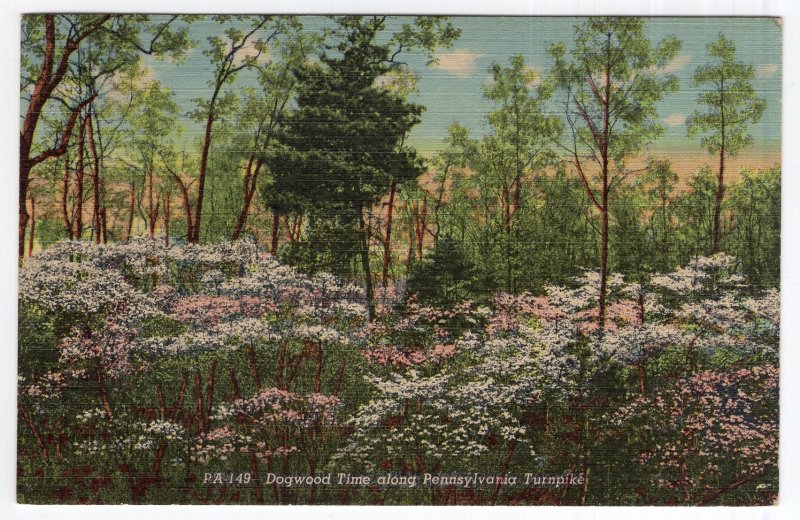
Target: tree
pixel 521 142
pixel 694 209
pixel 731 105
pixel 49 47
pixel 755 215
pixel 236 51
pixel 344 145
pixel 263 107
pixel 152 121
pixel 611 83
pixel 658 184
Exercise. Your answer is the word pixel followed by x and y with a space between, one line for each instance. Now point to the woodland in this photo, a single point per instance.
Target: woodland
pixel 295 289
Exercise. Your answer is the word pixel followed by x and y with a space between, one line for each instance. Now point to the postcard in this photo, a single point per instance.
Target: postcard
pixel 400 260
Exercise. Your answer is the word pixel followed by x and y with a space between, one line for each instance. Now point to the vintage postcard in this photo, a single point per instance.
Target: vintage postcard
pixel 402 260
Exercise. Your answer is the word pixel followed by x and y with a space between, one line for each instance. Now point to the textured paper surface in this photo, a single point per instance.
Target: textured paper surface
pixel 399 260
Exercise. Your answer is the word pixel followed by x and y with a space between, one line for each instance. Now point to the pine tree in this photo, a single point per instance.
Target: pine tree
pixel 342 147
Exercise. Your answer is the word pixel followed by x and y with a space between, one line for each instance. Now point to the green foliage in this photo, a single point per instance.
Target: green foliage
pixel 343 146
pixel 630 247
pixel 730 100
pixel 445 277
pixel 754 209
pixel 614 63
pixel 695 209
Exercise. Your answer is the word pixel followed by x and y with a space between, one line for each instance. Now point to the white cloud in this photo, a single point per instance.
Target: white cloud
pixel 676 64
pixel 675 119
pixel 767 70
pixel 460 62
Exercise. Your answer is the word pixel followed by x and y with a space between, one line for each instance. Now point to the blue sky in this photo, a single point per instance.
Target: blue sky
pixel 452 90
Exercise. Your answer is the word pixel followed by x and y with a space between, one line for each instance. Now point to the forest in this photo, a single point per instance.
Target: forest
pixel 276 280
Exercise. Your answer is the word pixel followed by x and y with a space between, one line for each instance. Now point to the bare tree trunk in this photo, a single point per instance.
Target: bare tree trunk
pixel 250 180
pixel 36 435
pixel 103 392
pixel 131 213
pixel 720 194
pixel 251 358
pixel 78 220
pixel 275 225
pixel 33 226
pixel 201 179
pixel 411 231
pixel 423 224
pixel 387 245
pixel 506 211
pixel 95 180
pixel 187 207
pixel 601 315
pixel 64 197
pixel 24 180
pixel 103 212
pixel 153 206
pixel 167 199
pixel 366 268
pixel 198 401
pixel 604 211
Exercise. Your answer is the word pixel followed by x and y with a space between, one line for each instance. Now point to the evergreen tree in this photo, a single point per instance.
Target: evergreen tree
pixel 343 146
pixel 731 106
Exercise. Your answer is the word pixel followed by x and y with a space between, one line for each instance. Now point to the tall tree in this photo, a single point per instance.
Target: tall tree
pixel 262 108
pixel 521 142
pixel 343 146
pixel 237 50
pixel 49 48
pixel 731 105
pixel 611 83
pixel 152 122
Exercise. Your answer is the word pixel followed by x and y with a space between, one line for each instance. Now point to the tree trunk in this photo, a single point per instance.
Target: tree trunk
pixel 33 227
pixel 36 435
pixel 131 213
pixel 601 315
pixel 50 76
pixel 506 211
pixel 275 225
pixel 366 268
pixel 419 223
pixel 103 212
pixel 103 393
pixel 64 197
pixel 201 179
pixel 387 245
pixel 78 219
pixel 152 210
pixel 167 199
pixel 198 401
pixel 411 231
pixel 251 358
pixel 104 222
pixel 250 180
pixel 95 180
pixel 24 175
pixel 187 207
pixel 720 194
pixel 604 210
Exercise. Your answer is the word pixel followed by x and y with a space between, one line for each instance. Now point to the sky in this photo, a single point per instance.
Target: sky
pixel 451 90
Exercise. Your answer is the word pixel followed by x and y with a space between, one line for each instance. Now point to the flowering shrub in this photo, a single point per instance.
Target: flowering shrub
pixel 157 364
